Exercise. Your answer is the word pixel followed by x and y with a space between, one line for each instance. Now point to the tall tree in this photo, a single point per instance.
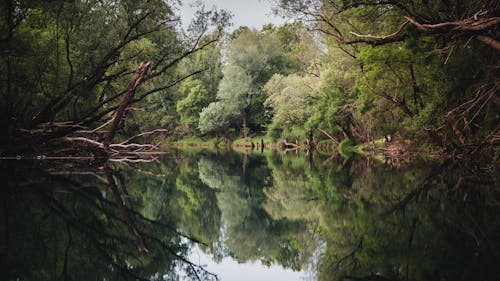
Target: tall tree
pixel 250 57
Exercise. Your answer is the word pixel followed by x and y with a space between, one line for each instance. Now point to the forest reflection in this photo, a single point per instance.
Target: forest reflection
pixel 344 219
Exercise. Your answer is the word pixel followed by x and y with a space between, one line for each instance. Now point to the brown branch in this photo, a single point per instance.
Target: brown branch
pixel 335 141
pixel 131 145
pixel 132 160
pixel 291 144
pixel 96 129
pixel 127 99
pixel 463 27
pixel 374 37
pixel 144 134
pixel 86 140
pixel 469 24
pixel 89 118
pixel 489 41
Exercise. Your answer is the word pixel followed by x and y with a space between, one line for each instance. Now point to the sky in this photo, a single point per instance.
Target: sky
pixel 230 270
pixel 251 13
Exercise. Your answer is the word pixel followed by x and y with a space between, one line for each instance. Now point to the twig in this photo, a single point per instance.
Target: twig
pixel 96 129
pixel 383 37
pixel 144 134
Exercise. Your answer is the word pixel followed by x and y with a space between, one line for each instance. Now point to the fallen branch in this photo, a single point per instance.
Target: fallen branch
pixel 86 140
pixel 488 41
pixel 139 76
pixel 133 160
pixel 96 129
pixel 131 145
pixel 292 145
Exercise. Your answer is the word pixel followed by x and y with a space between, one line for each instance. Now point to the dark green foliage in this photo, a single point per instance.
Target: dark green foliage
pixel 67 65
pixel 398 77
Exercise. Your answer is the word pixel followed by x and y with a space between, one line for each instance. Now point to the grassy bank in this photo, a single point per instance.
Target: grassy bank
pixel 379 149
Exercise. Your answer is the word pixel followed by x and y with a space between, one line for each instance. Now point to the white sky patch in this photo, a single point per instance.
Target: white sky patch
pixel 230 270
pixel 251 13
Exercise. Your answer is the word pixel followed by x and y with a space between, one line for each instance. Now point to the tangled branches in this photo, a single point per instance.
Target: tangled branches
pixel 464 120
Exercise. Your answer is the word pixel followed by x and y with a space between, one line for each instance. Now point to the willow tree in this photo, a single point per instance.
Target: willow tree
pixel 291 99
pixel 250 58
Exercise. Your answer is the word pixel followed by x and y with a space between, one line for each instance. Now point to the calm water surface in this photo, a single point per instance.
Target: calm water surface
pixel 236 216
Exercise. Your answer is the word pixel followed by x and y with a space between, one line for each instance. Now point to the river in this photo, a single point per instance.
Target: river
pixel 237 216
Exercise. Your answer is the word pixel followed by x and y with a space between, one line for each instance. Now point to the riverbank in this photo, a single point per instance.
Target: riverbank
pixel 397 149
pixel 396 152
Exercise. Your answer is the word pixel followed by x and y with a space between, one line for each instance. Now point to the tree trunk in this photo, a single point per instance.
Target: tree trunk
pixel 244 125
pixel 122 109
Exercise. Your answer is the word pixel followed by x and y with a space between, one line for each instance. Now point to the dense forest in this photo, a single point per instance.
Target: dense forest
pixel 97 95
pixel 100 74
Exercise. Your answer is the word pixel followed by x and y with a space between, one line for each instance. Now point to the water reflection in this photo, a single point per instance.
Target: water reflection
pixel 68 221
pixel 337 219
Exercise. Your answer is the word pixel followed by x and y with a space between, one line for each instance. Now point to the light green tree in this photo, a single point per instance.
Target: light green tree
pixel 250 57
pixel 290 98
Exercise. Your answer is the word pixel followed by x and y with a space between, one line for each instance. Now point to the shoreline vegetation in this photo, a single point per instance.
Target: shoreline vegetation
pixel 101 89
pixel 125 76
pixel 395 151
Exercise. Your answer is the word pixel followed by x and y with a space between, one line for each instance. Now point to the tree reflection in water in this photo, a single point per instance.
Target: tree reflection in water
pixel 421 222
pixel 87 224
pixel 343 219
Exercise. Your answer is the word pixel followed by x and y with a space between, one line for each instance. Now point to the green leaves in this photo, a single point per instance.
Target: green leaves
pixel 290 98
pixel 217 116
pixel 197 98
pixel 250 57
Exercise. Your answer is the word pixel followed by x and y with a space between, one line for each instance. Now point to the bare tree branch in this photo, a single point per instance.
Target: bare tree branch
pixel 127 99
pixel 383 37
